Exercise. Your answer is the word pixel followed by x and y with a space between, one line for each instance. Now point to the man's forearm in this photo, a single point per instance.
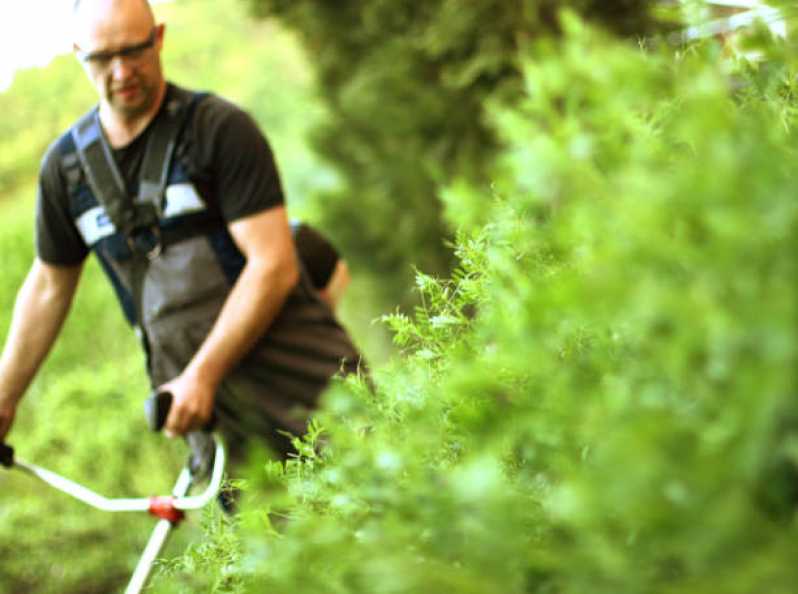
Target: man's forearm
pixel 253 303
pixel 250 308
pixel 270 272
pixel 39 312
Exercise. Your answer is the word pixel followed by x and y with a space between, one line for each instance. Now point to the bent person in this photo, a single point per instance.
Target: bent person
pixel 177 194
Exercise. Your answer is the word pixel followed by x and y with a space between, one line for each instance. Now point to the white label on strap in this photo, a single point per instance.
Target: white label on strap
pixel 94 224
pixel 182 199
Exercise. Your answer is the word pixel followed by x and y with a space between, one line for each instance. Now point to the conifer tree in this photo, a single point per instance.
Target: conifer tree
pixel 407 84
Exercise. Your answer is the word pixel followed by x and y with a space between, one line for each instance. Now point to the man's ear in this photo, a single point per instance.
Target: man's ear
pixel 161 30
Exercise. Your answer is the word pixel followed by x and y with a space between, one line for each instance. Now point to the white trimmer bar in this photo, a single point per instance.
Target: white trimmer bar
pixel 170 509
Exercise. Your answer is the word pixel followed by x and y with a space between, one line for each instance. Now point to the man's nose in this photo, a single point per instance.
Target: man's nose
pixel 120 68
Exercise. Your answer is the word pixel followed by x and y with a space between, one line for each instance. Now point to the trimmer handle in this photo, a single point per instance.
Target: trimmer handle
pixel 6 455
pixel 156 409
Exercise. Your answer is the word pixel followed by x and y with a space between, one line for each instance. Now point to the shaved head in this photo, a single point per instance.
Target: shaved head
pixel 79 3
pixel 89 15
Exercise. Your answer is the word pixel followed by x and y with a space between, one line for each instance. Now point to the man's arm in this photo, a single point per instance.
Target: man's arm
pixel 40 310
pixel 269 275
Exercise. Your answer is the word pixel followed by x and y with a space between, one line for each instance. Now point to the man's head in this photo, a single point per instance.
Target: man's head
pixel 119 45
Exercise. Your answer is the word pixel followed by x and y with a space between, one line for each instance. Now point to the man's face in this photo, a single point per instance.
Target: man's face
pixel 119 46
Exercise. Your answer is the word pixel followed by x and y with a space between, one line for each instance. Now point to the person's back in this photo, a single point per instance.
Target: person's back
pixel 327 270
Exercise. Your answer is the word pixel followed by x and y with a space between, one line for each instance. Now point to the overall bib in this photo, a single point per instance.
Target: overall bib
pixel 172 263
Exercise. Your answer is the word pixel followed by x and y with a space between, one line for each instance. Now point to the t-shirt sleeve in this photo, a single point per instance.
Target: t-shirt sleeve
pixel 58 241
pixel 317 254
pixel 244 177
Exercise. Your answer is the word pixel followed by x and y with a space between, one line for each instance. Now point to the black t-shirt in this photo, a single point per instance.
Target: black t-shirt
pixel 317 254
pixel 231 156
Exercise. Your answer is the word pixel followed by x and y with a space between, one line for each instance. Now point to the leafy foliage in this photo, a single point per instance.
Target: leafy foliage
pixel 599 398
pixel 602 396
pixel 405 84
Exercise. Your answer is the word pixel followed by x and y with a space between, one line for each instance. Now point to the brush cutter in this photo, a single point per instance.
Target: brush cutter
pixel 208 458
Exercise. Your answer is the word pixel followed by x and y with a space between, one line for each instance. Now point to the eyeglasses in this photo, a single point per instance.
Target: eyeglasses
pixel 102 59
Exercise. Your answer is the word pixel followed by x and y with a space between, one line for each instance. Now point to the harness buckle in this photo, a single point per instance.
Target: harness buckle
pixel 146 241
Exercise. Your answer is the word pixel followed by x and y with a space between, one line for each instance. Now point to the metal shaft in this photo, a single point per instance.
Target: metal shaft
pixel 80 492
pixel 157 540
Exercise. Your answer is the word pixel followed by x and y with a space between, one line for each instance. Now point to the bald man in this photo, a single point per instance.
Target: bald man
pixel 177 195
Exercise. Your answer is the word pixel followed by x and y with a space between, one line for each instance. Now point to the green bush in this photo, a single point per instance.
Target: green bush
pixel 405 84
pixel 601 398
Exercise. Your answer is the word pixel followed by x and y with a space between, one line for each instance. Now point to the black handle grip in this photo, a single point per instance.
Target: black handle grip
pixel 6 455
pixel 156 409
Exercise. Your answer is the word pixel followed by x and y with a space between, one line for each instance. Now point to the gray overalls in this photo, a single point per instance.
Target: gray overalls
pixel 172 262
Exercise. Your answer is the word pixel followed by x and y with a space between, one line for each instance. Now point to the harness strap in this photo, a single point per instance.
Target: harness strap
pixel 103 175
pixel 137 220
pixel 70 164
pixel 160 149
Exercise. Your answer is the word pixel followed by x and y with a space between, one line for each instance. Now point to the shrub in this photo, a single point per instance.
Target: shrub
pixel 601 398
pixel 406 84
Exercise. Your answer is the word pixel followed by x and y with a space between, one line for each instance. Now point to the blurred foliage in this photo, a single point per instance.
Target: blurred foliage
pixel 601 397
pixel 36 110
pixel 405 84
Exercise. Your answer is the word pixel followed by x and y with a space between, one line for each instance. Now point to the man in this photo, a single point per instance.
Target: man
pixel 204 264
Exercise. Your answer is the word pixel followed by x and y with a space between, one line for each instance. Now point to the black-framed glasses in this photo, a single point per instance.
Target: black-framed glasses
pixel 103 58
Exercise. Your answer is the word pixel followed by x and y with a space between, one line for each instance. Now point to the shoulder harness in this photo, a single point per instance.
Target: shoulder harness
pixel 135 218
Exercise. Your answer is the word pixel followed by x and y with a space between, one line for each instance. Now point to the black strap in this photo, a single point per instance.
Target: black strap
pixel 105 180
pixel 103 175
pixel 193 226
pixel 161 144
pixel 70 165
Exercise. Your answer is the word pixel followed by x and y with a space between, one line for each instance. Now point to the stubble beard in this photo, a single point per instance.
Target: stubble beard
pixel 130 111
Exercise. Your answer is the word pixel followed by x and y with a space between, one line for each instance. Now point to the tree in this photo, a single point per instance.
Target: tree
pixel 406 85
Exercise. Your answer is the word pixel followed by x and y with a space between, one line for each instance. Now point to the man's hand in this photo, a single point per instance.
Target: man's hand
pixel 192 404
